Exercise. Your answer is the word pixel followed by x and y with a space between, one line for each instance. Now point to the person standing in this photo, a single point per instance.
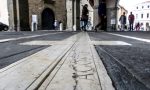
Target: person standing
pixel 102 16
pixel 84 17
pixel 56 24
pixel 122 20
pixel 131 21
pixel 137 26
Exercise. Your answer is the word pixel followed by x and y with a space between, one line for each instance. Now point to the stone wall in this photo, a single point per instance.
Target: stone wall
pixel 37 6
pixel 21 11
pixel 27 8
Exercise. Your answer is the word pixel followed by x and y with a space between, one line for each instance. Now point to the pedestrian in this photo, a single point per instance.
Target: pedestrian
pixel 56 24
pixel 84 17
pixel 102 16
pixel 137 26
pixel 122 20
pixel 131 21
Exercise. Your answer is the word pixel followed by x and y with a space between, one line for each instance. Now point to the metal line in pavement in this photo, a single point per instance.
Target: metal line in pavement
pixel 130 37
pixel 6 40
pixel 110 43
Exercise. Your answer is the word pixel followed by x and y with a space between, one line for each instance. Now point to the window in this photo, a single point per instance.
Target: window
pixel 49 1
pixel 147 15
pixel 136 7
pixel 148 6
pixel 142 6
pixel 136 16
pixel 141 15
pixel 141 24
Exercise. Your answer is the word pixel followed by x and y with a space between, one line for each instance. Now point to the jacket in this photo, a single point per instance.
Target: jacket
pixel 102 9
pixel 122 19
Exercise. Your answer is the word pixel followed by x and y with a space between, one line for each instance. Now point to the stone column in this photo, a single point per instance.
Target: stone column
pixel 95 11
pixel 12 14
pixel 73 13
pixel 18 15
pixel 69 7
pixel 111 18
pixel 76 14
pixel 112 15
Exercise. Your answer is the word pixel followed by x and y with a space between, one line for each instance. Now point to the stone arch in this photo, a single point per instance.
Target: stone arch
pixel 47 19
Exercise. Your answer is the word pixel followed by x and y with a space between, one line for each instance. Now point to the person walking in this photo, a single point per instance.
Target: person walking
pixel 84 17
pixel 102 16
pixel 131 21
pixel 122 20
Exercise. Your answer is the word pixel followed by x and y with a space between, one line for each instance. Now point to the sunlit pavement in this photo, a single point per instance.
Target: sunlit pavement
pixel 74 61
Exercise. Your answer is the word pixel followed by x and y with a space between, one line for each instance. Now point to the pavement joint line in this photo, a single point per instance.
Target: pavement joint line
pixel 106 83
pixel 35 42
pixel 24 60
pixel 130 37
pixel 136 77
pixel 20 61
pixel 122 43
pixel 27 37
pixel 16 63
pixel 77 50
pixel 55 71
pixel 27 61
pixel 38 82
pixel 104 80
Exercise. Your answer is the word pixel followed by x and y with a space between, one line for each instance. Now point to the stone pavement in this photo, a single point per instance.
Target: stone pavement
pixel 71 64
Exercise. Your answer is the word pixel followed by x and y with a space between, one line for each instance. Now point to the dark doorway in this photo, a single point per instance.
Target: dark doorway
pixel 48 19
pixel 91 2
pixel 23 15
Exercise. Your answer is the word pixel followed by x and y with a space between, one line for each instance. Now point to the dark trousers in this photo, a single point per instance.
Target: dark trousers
pixel 84 24
pixel 131 26
pixel 101 24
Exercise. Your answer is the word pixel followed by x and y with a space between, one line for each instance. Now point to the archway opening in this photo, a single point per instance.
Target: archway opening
pixel 91 2
pixel 48 19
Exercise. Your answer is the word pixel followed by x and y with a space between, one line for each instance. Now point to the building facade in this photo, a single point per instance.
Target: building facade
pixel 47 11
pixel 73 12
pixel 3 12
pixel 142 14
